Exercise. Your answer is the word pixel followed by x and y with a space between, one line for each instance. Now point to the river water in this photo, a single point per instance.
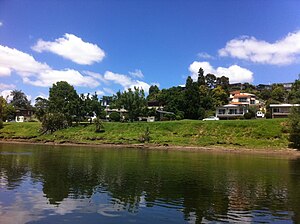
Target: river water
pixel 63 184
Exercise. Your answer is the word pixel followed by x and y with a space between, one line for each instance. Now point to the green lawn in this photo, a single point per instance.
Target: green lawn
pixel 271 133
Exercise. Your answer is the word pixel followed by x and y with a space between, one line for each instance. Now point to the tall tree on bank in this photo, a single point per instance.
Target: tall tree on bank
pixel 19 100
pixel 133 101
pixel 64 99
pixel 191 99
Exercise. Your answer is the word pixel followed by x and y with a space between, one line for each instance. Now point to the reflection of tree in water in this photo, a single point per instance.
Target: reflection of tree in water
pixel 13 168
pixel 294 188
pixel 206 186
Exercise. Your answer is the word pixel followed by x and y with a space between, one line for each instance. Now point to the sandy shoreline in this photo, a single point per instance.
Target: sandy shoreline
pixel 265 151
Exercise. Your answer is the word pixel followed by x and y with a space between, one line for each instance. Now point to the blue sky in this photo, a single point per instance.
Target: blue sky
pixel 106 46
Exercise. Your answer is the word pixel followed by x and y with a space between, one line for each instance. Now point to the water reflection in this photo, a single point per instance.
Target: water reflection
pixel 54 184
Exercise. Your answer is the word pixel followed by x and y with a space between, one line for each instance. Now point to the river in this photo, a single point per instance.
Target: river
pixel 64 184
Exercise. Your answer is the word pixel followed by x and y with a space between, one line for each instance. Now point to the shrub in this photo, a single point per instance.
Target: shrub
pixel 1 124
pixel 294 124
pixel 115 116
pixel 145 137
pixel 52 122
pixel 268 115
pixel 99 125
pixel 248 115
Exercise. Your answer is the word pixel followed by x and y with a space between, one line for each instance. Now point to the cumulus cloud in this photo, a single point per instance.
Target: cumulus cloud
pixel 73 77
pixel 282 52
pixel 126 81
pixel 204 55
pixel 73 48
pixel 6 94
pixel 137 73
pixel 37 73
pixel 235 73
pixel 22 63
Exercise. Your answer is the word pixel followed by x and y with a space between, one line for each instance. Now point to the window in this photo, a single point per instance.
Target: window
pixel 243 100
pixel 221 111
pixel 252 101
pixel 232 111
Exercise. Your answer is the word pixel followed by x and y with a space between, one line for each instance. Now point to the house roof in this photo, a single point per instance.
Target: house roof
pixel 284 105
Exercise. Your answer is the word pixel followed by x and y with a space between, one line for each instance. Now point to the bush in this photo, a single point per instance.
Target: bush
pixel 1 124
pixel 99 125
pixel 248 115
pixel 115 116
pixel 145 137
pixel 52 122
pixel 294 124
pixel 268 115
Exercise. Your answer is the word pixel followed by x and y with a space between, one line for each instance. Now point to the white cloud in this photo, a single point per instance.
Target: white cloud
pixel 73 77
pixel 7 86
pixel 204 55
pixel 282 52
pixel 235 73
pixel 100 92
pixel 137 73
pixel 22 63
pixel 73 48
pixel 96 76
pixel 39 74
pixel 4 71
pixel 109 91
pixel 1 24
pixel 6 94
pixel 126 81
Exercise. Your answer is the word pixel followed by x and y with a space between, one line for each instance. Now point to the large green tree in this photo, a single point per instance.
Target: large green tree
pixel 64 99
pixel 19 100
pixel 132 100
pixel 191 99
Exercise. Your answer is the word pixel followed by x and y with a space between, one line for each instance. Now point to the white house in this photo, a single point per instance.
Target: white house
pixel 281 110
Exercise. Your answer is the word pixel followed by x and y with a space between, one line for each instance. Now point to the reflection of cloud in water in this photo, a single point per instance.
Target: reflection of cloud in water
pixel 30 204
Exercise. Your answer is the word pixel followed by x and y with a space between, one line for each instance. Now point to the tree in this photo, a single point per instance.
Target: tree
pixel 211 80
pixel 133 101
pixel 223 82
pixel 191 99
pixel 64 99
pixel 41 107
pixel 294 95
pixel 19 100
pixel 220 96
pixel 278 93
pixel 7 111
pixel 201 78
pixel 294 124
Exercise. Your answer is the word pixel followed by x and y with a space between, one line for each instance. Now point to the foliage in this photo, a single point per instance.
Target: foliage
pixel 1 124
pixel 145 137
pixel 19 100
pixel 64 99
pixel 7 111
pixel 294 95
pixel 191 99
pixel 132 100
pixel 294 123
pixel 52 122
pixel 248 115
pixel 114 116
pixel 98 125
pixel 278 93
pixel 41 107
pixel 268 115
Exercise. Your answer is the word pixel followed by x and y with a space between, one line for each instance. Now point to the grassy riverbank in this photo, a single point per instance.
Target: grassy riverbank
pixel 257 134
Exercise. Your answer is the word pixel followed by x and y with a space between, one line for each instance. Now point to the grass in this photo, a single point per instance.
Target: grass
pixel 270 133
